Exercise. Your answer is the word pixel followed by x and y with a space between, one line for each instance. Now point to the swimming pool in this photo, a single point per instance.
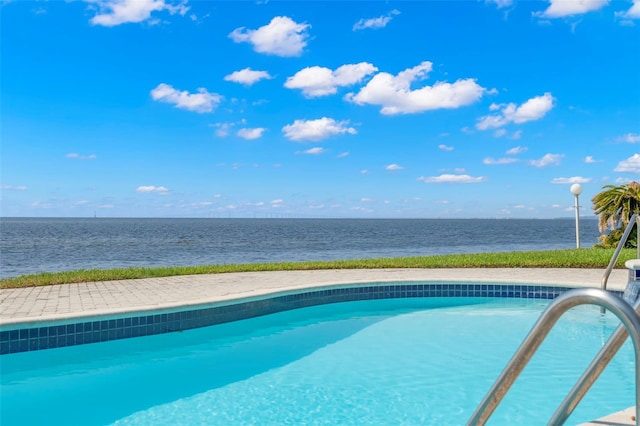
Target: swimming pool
pixel 385 361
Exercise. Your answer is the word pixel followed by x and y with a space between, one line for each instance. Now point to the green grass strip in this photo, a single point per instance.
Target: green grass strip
pixel 572 258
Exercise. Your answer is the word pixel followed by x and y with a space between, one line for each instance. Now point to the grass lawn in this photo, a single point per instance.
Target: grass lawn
pixel 573 258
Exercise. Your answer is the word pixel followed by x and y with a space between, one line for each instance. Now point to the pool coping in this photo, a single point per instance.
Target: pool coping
pixel 70 301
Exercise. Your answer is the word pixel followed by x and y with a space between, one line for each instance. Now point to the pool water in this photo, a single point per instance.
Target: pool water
pixel 399 361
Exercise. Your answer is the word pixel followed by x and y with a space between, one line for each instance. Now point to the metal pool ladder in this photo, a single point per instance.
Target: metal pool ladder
pixel 628 315
pixel 594 296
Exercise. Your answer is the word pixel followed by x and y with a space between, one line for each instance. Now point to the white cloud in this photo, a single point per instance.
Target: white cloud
pixel 152 189
pixel 313 151
pixel 364 172
pixel 375 23
pixel 629 138
pixel 343 154
pixel 254 133
pixel 516 135
pixel 444 147
pixel 281 37
pixel 516 150
pixel 589 160
pixel 499 133
pixel 562 8
pixel 13 188
pixel 223 129
pixel 632 13
pixel 500 3
pixel 533 109
pixel 320 81
pixel 116 12
pixel 574 179
pixel 547 160
pixel 630 165
pixel 315 130
pixel 448 178
pixel 395 96
pixel 394 167
pixel 81 157
pixel 247 76
pixel 490 161
pixel 201 102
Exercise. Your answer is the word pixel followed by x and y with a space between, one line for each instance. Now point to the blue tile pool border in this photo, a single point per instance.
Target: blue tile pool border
pixel 78 331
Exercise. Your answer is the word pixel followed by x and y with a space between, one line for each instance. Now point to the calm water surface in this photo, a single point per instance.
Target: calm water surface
pixel 29 245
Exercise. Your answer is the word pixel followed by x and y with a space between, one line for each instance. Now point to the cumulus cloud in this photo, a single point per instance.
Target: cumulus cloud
pixel 574 179
pixel 320 81
pixel 316 130
pixel 375 23
pixel 491 161
pixel 115 12
pixel 547 160
pixel 632 13
pixel 201 102
pixel 444 147
pixel 533 109
pixel 394 167
pixel 254 133
pixel 343 154
pixel 281 37
pixel 629 138
pixel 449 178
pixel 516 150
pixel 630 165
pixel 563 8
pixel 589 159
pixel 152 189
pixel 77 156
pixel 393 92
pixel 247 76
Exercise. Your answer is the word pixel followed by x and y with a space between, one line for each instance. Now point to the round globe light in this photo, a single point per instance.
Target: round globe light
pixel 576 189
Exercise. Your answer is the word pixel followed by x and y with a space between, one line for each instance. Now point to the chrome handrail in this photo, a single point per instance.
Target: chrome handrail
pixel 541 329
pixel 635 218
pixel 593 371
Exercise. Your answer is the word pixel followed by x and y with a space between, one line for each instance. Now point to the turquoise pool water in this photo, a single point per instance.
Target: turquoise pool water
pixel 379 362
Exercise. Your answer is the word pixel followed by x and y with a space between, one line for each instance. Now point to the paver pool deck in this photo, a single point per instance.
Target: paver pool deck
pixel 63 302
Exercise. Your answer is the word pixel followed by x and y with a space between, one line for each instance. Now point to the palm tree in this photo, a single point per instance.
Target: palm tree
pixel 615 206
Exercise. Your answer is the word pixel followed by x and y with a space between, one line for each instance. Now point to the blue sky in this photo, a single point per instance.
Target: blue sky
pixel 159 108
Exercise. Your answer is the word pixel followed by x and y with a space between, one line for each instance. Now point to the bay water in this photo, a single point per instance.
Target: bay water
pixel 32 245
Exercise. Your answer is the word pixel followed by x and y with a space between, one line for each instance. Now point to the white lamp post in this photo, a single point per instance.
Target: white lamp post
pixel 576 190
